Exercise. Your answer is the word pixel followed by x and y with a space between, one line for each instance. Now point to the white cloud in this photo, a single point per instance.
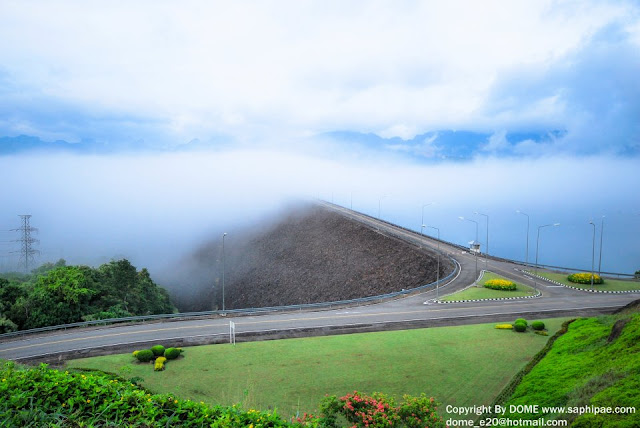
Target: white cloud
pixel 284 68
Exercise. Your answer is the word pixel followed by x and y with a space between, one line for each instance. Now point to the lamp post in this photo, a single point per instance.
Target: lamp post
pixel 422 222
pixel 526 260
pixel 223 268
pixel 535 277
pixel 593 251
pixel 438 273
pixel 486 253
pixel 476 241
pixel 601 232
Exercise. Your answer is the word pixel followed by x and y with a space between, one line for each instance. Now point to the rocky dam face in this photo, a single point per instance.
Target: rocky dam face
pixel 311 254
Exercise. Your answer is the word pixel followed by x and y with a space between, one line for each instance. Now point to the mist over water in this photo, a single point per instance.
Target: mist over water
pixel 158 210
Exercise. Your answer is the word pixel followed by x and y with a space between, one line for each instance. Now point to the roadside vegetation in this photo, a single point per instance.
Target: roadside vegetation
pixel 583 281
pixel 59 294
pixel 595 363
pixel 294 375
pixel 502 288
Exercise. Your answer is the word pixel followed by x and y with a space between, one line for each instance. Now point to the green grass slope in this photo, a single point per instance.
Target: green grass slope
pixel 596 363
pixel 456 365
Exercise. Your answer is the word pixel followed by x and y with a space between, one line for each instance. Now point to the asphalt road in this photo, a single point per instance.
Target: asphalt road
pixel 416 310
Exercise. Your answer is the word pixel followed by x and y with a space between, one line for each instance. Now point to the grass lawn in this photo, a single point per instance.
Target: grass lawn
pixel 473 293
pixel 609 284
pixel 463 365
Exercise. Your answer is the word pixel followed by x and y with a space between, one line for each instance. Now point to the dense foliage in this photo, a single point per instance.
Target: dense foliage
pixel 585 278
pixel 500 284
pixel 60 294
pixel 44 397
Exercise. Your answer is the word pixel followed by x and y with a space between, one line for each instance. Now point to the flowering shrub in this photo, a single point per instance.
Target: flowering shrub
pixel 159 365
pixel 585 278
pixel 378 410
pixel 500 284
pixel 504 326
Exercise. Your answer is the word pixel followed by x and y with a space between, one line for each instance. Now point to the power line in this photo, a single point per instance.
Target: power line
pixel 26 252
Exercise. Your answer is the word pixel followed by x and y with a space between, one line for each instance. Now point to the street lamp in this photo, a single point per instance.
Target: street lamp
pixel 486 253
pixel 601 232
pixel 526 261
pixel 223 267
pixel 593 251
pixel 535 277
pixel 476 241
pixel 422 222
pixel 438 273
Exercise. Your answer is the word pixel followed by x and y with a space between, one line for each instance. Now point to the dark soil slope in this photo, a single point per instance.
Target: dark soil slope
pixel 319 256
pixel 309 255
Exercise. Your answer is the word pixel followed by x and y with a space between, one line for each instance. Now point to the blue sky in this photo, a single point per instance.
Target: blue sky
pixel 279 72
pixel 485 106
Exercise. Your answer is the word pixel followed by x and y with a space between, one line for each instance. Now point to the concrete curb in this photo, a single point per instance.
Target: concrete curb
pixel 483 300
pixel 581 289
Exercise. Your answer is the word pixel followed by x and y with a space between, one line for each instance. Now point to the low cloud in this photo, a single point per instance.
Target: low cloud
pixel 153 209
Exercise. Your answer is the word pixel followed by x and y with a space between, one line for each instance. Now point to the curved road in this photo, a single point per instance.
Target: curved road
pixel 417 310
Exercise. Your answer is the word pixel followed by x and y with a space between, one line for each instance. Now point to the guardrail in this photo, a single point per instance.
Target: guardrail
pixel 464 248
pixel 245 311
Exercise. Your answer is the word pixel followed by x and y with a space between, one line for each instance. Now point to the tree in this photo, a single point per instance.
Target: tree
pixel 61 296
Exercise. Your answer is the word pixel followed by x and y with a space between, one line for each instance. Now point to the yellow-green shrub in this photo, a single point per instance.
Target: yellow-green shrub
pixel 159 365
pixel 504 326
pixel 585 278
pixel 500 284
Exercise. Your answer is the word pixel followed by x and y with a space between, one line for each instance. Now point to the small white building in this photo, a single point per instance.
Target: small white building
pixel 474 247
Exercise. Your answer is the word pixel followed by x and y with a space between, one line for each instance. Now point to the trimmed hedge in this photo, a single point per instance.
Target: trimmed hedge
pixel 172 353
pixel 158 350
pixel 144 356
pixel 522 321
pixel 537 325
pixel 585 278
pixel 520 327
pixel 500 284
pixel 159 364
pixel 504 326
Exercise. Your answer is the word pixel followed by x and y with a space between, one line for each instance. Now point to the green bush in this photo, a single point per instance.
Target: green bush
pixel 172 353
pixel 537 325
pixel 41 397
pixel 500 284
pixel 522 320
pixel 520 327
pixel 145 355
pixel 158 350
pixel 585 278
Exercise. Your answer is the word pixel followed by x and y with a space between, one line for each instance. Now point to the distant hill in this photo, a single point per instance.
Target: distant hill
pixel 447 144
pixel 431 146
